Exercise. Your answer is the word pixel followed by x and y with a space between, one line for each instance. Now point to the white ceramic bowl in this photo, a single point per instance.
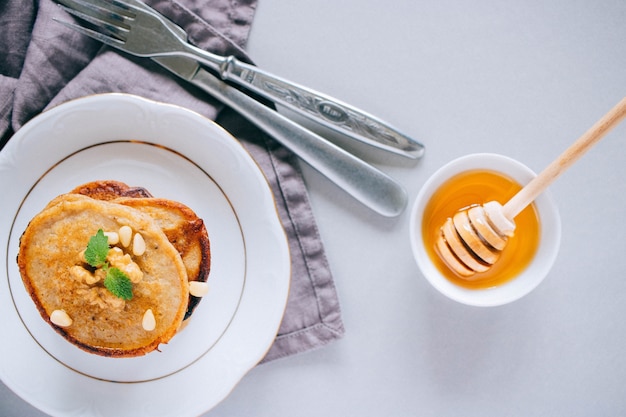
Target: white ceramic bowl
pixel 538 267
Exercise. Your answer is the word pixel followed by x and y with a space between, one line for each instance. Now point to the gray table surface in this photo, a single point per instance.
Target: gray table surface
pixel 523 79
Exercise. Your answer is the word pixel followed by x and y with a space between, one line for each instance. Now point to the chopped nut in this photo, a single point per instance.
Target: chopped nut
pixel 139 245
pixel 60 318
pixel 124 262
pixel 80 274
pixel 135 274
pixel 114 252
pixel 98 275
pixel 149 322
pixel 198 288
pixel 113 237
pixel 125 234
pixel 116 257
pixel 91 279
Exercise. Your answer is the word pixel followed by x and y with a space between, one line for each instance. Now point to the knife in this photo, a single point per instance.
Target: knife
pixel 359 179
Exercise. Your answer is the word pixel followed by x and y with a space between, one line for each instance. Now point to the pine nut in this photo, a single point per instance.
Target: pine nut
pixel 149 322
pixel 125 233
pixel 198 288
pixel 139 245
pixel 60 318
pixel 114 237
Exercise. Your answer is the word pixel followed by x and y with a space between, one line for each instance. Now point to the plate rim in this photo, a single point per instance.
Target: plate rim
pixel 11 148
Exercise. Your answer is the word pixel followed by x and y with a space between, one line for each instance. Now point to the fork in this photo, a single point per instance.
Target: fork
pixel 362 181
pixel 144 32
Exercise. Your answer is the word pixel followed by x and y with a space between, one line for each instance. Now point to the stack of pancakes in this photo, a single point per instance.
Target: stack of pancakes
pixel 177 252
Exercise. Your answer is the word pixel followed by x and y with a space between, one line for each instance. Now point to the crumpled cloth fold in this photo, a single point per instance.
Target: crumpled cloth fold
pixel 43 64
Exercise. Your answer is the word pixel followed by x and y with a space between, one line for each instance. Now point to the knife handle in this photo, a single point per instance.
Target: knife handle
pixel 316 106
pixel 365 183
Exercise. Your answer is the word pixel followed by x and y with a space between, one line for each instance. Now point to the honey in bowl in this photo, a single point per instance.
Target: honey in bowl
pixel 479 187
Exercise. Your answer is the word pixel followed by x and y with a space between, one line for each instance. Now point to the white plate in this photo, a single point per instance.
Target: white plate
pixel 176 154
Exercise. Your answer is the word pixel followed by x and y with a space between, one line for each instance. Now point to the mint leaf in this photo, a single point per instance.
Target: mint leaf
pixel 97 249
pixel 118 283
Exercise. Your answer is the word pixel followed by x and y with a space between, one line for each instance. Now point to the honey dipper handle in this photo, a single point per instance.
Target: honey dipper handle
pixel 535 187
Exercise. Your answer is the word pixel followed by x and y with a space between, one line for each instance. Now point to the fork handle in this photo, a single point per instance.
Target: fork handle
pixel 365 183
pixel 316 106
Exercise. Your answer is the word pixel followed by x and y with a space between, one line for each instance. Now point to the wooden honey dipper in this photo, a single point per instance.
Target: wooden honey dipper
pixel 471 241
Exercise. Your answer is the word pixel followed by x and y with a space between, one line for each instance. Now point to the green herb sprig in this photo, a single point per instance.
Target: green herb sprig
pixel 116 281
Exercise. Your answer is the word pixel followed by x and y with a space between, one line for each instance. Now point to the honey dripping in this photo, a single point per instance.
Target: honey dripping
pixel 478 187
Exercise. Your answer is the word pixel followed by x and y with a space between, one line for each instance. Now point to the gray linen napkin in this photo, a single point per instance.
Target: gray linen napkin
pixel 43 64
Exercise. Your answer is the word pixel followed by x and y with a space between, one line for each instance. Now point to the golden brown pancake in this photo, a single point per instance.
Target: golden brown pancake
pixel 184 229
pixel 49 255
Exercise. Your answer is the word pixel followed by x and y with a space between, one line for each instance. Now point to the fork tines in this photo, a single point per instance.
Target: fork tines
pixel 107 19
